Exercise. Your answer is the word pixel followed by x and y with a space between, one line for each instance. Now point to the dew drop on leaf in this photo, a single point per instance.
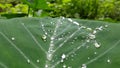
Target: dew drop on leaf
pixel 46 66
pixel 94 32
pixel 44 37
pixel 92 36
pixel 63 56
pixel 89 29
pixel 64 66
pixel 38 60
pixel 97 45
pixel 95 53
pixel 13 38
pixel 84 66
pixel 108 61
pixel 88 57
pixel 100 28
pixel 28 61
pixel 106 25
pixel 62 60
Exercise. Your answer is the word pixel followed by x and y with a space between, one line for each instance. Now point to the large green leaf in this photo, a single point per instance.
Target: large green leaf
pixel 36 4
pixel 58 43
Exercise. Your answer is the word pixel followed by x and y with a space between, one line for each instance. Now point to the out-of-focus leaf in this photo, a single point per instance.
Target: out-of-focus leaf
pixel 36 4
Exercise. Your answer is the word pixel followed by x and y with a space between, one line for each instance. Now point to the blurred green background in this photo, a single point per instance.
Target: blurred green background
pixel 107 10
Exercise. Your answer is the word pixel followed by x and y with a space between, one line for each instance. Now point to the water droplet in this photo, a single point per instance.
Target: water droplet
pixel 87 40
pixel 84 66
pixel 62 60
pixel 46 66
pixel 89 29
pixel 51 44
pixel 28 61
pixel 95 53
pixel 64 66
pixel 88 57
pixel 13 38
pixel 92 36
pixel 63 56
pixel 60 38
pixel 52 38
pixel 83 27
pixel 70 20
pixel 72 55
pixel 76 23
pixel 100 28
pixel 49 56
pixel 106 25
pixel 94 32
pixel 96 45
pixel 109 61
pixel 38 61
pixel 44 37
pixel 69 67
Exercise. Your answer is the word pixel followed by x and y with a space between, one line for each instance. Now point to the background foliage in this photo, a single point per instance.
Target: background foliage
pixel 86 9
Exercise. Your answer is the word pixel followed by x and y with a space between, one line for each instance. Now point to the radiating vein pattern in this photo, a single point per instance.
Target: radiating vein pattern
pixel 33 37
pixel 64 42
pixel 21 52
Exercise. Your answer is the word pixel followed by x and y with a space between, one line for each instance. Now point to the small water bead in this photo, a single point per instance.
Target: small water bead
pixel 76 23
pixel 37 60
pixel 44 37
pixel 69 67
pixel 92 36
pixel 63 56
pixel 100 28
pixel 83 27
pixel 52 38
pixel 94 32
pixel 88 40
pixel 64 66
pixel 106 25
pixel 28 61
pixel 62 60
pixel 46 66
pixel 108 61
pixel 97 45
pixel 95 53
pixel 13 38
pixel 70 20
pixel 88 57
pixel 84 66
pixel 60 38
pixel 89 29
